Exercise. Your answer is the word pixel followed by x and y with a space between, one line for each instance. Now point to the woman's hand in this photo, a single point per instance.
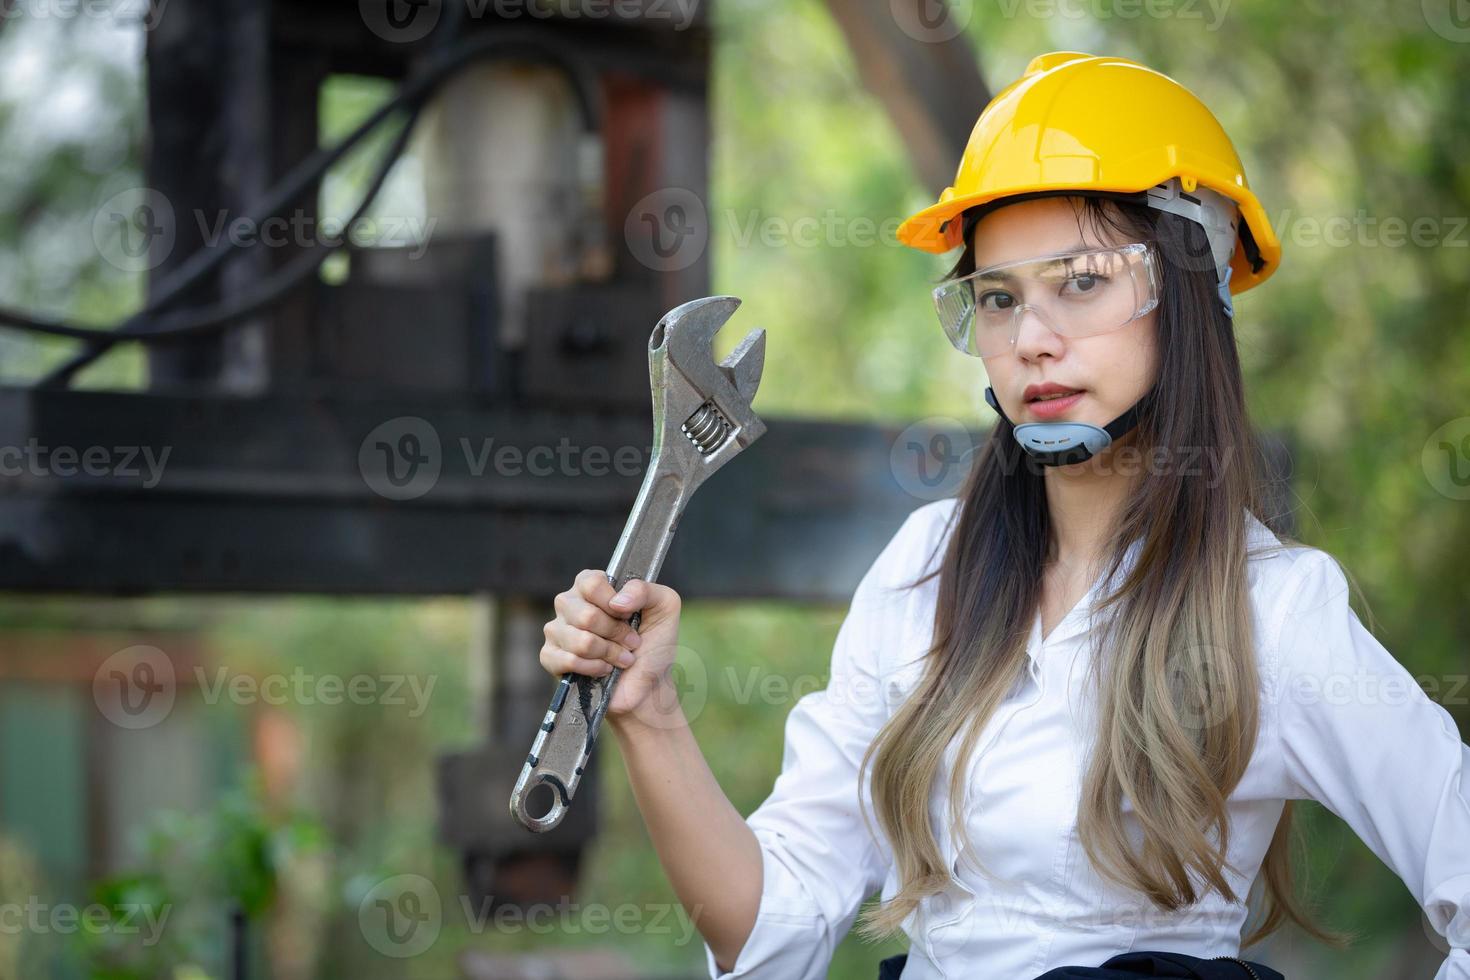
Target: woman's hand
pixel 591 634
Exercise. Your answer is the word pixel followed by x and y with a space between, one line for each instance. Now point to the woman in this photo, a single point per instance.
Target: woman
pixel 1139 668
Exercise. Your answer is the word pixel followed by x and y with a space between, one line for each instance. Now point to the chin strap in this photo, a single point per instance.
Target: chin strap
pixel 1065 443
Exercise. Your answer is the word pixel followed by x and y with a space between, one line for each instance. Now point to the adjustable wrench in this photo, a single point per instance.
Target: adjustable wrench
pixel 701 420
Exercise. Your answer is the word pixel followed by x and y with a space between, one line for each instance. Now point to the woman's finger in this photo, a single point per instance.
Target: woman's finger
pixel 559 661
pixel 587 644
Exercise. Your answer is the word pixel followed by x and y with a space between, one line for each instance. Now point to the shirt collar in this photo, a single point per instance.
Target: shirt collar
pixel 1079 619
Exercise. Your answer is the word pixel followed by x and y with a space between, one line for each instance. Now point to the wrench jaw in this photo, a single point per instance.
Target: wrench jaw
pixel 744 364
pixel 700 405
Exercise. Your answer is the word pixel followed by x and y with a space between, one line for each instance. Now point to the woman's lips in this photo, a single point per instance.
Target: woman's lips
pixel 1053 407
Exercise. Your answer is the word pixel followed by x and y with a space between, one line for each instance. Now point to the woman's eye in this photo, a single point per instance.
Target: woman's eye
pixel 995 300
pixel 1086 282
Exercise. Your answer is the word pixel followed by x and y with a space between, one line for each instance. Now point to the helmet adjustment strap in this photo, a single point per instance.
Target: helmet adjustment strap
pixel 1216 214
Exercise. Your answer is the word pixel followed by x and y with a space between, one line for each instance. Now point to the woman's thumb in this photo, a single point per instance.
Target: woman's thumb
pixel 637 595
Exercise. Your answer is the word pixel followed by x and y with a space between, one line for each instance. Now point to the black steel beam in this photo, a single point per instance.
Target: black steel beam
pixel 121 493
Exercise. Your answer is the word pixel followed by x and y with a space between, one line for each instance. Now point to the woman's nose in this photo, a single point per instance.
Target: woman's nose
pixel 1033 334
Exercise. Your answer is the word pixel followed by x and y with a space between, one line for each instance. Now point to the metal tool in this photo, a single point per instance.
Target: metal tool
pixel 701 420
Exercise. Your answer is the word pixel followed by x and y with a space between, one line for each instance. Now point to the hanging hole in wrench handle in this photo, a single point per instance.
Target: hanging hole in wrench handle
pixel 563 747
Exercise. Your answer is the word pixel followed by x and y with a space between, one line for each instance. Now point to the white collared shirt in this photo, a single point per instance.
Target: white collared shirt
pixel 1342 722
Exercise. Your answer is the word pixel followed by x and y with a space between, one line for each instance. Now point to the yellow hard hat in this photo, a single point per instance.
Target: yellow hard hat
pixel 1076 121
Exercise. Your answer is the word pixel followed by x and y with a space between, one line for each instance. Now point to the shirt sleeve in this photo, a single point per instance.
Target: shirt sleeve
pixel 1359 734
pixel 819 859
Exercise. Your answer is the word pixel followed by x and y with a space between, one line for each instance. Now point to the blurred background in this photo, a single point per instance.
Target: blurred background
pixel 273 580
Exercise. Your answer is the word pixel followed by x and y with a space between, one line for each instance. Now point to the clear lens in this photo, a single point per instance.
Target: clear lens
pixel 1078 294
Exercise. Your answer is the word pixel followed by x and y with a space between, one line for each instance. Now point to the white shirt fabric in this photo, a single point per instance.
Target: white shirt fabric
pixel 1342 722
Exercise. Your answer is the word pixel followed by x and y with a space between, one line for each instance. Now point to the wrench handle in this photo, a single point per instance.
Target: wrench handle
pixel 563 746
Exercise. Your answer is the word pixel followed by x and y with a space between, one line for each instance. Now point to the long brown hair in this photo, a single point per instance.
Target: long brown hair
pixel 1179 641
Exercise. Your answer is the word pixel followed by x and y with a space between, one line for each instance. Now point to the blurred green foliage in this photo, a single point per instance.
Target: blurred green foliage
pixel 200 869
pixel 1352 117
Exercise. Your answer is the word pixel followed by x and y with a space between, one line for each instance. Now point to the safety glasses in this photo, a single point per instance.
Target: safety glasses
pixel 1077 294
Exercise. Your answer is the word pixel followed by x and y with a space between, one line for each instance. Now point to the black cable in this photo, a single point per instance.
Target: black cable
pixel 145 324
pixel 204 261
pixel 190 323
pixel 295 183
